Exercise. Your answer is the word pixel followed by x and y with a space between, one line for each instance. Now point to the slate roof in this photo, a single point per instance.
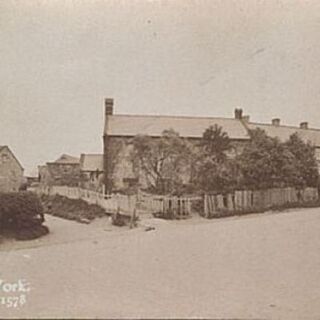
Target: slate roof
pixel 188 127
pixel 91 162
pixel 284 132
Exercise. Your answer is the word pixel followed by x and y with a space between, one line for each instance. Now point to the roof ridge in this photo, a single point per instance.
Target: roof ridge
pixel 187 126
pixel 171 116
pixel 283 126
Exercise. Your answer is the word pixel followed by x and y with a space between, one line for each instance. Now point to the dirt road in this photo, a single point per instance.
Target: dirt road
pixel 254 267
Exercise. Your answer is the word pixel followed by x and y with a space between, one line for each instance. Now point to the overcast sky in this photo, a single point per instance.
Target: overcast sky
pixel 60 59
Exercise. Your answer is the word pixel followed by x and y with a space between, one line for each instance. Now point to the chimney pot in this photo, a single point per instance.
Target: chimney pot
pixel 276 122
pixel 108 102
pixel 238 113
pixel 304 125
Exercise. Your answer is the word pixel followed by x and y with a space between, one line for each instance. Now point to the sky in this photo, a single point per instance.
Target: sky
pixel 60 59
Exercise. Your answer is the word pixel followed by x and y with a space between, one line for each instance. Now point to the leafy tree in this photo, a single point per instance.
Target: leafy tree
pixel 305 162
pixel 214 176
pixel 214 171
pixel 215 143
pixel 163 161
pixel 266 162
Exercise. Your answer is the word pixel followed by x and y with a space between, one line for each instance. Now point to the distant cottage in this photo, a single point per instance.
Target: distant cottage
pixel 120 129
pixel 65 171
pixel 11 171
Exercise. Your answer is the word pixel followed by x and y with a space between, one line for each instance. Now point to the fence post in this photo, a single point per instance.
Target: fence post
pixel 133 219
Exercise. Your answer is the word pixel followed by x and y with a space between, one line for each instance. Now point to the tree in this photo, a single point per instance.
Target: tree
pixel 305 162
pixel 163 160
pixel 266 162
pixel 214 171
pixel 215 143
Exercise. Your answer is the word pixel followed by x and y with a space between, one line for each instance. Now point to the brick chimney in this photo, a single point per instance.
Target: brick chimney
pixel 108 102
pixel 238 113
pixel 276 122
pixel 304 125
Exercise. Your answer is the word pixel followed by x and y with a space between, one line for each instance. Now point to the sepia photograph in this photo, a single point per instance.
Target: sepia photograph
pixel 160 159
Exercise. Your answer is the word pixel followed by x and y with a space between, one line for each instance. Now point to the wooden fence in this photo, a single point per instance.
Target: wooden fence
pixel 112 204
pixel 178 207
pixel 139 204
pixel 246 200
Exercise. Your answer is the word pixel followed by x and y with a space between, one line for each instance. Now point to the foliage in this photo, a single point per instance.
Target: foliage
pixel 121 220
pixel 162 161
pixel 305 162
pixel 213 170
pixel 21 214
pixel 215 144
pixel 71 209
pixel 267 163
pixel 214 176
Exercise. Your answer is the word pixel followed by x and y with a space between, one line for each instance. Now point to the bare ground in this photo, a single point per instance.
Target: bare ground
pixel 253 267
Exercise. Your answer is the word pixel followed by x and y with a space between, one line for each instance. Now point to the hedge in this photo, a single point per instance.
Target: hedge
pixel 21 214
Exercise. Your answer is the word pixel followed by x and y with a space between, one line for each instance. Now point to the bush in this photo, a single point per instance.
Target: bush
pixel 32 233
pixel 21 213
pixel 71 209
pixel 121 220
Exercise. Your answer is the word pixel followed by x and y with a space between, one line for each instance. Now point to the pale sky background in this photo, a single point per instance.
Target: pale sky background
pixel 60 59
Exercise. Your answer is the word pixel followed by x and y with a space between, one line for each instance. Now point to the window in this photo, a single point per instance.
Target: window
pixel 4 158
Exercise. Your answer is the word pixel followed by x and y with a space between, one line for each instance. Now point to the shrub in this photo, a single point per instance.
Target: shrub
pixel 121 220
pixel 21 213
pixel 32 233
pixel 71 209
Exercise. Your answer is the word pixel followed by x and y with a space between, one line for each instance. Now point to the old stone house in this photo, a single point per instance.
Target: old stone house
pixel 92 172
pixel 63 171
pixel 11 171
pixel 119 131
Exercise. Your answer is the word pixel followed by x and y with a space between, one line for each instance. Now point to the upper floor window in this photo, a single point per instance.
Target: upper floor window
pixel 4 158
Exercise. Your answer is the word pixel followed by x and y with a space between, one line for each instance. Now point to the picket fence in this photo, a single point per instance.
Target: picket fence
pixel 179 207
pixel 115 203
pixel 139 204
pixel 244 200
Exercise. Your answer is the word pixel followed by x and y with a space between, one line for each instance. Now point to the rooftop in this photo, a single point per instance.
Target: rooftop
pixel 66 159
pixel 154 125
pixel 283 132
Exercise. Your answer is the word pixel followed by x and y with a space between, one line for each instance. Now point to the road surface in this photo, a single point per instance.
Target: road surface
pixel 253 267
